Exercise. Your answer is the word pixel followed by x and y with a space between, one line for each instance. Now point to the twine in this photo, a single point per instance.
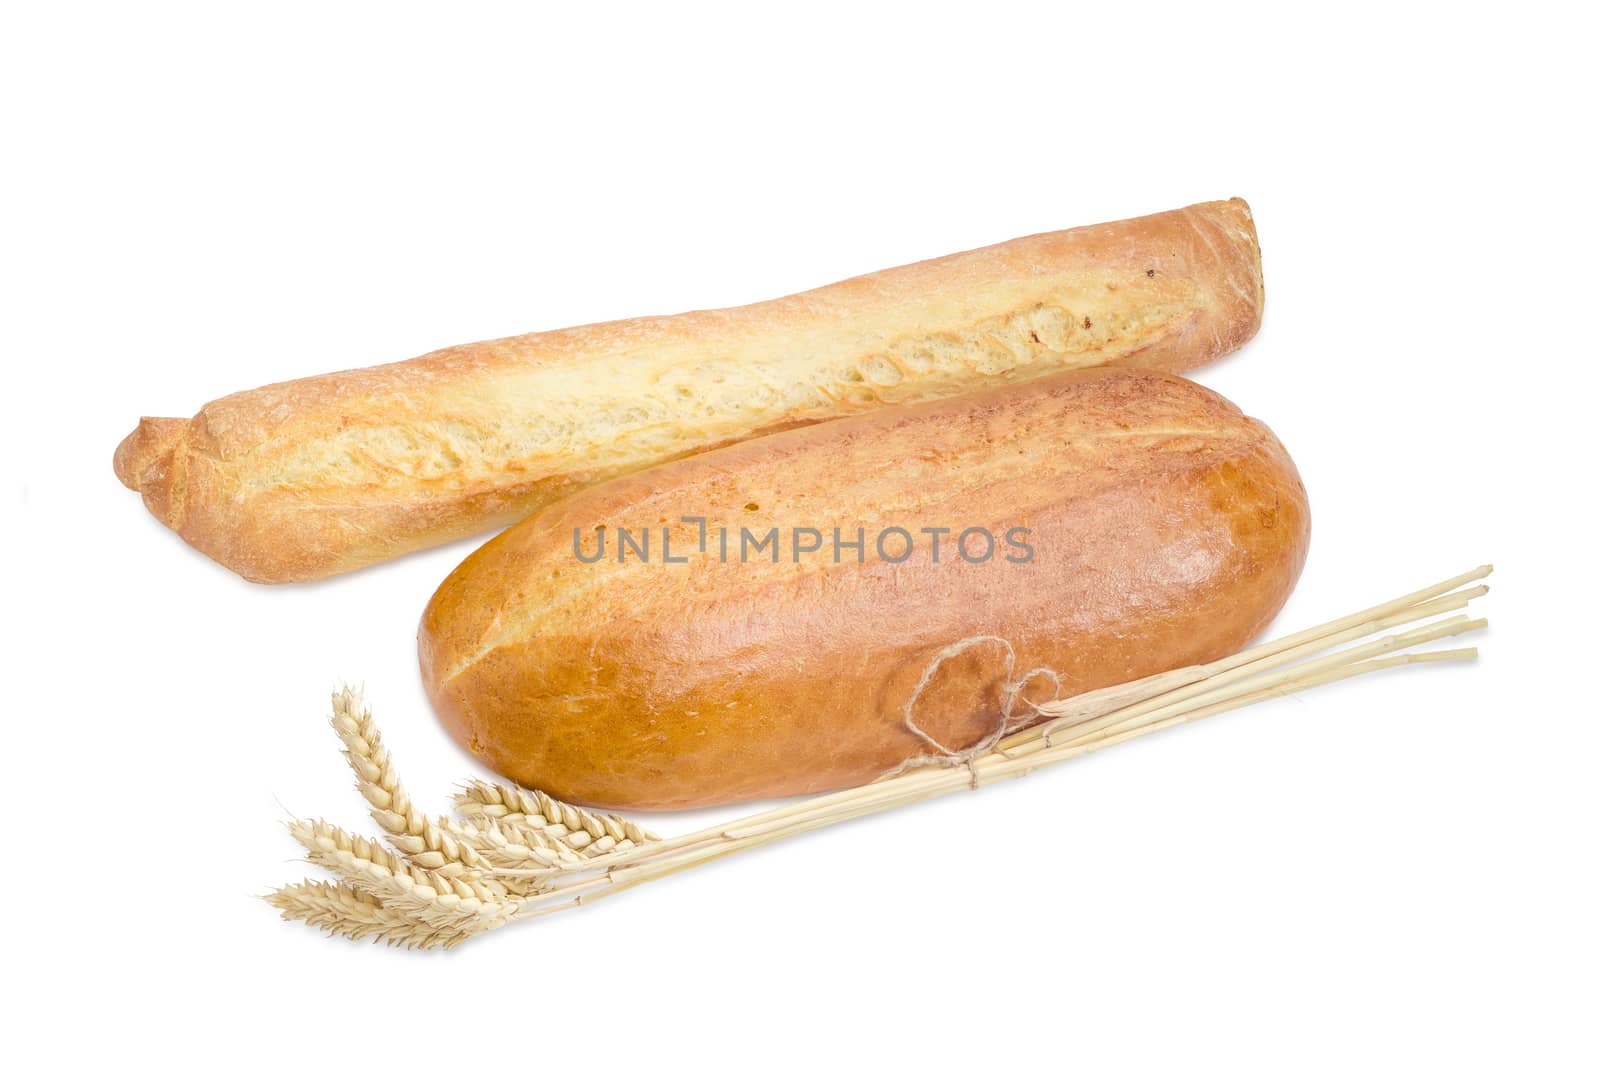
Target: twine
pixel 1007 723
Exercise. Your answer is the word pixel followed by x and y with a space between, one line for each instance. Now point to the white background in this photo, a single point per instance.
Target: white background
pixel 1391 877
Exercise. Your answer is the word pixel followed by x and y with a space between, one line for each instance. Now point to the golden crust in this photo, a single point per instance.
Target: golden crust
pixel 1167 528
pixel 304 479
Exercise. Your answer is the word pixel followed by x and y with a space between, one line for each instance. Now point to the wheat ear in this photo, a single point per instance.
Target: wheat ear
pixel 330 906
pixel 452 908
pixel 428 843
pixel 573 827
pixel 344 911
pixel 504 852
pixel 334 848
pixel 348 912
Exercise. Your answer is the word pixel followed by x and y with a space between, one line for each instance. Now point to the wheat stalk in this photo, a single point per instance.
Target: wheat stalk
pixel 555 856
pixel 1148 701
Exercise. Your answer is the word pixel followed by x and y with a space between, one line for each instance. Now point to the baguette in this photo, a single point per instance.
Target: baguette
pixel 1165 527
pixel 305 479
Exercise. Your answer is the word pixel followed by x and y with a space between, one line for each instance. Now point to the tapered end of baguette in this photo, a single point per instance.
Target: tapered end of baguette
pixel 1226 232
pixel 152 440
pixel 148 462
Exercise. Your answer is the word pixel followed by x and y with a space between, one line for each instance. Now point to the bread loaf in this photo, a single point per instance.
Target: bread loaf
pixel 1159 527
pixel 305 479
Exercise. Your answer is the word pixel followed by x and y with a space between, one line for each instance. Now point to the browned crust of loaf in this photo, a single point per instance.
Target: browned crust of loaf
pixel 235 481
pixel 156 437
pixel 1169 529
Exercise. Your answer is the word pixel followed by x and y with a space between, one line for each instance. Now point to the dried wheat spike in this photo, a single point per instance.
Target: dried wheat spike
pixel 496 838
pixel 426 842
pixel 513 832
pixel 430 903
pixel 332 847
pixel 356 914
pixel 579 829
pixel 503 845
pixel 348 912
pixel 505 853
pixel 338 909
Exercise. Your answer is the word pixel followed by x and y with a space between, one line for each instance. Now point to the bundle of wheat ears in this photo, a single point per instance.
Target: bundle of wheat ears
pixel 511 854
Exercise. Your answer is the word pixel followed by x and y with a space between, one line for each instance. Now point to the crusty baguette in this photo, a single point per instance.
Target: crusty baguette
pixel 305 479
pixel 1166 529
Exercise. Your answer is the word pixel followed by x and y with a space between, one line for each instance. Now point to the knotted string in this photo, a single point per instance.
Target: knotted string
pixel 1009 721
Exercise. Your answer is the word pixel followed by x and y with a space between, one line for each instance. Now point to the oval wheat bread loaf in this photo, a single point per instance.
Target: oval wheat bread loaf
pixel 1161 527
pixel 304 479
